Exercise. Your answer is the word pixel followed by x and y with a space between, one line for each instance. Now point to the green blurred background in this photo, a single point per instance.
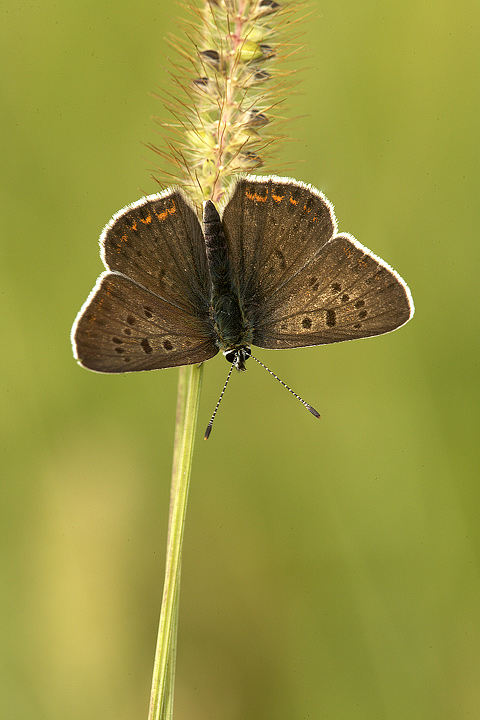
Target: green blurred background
pixel 331 568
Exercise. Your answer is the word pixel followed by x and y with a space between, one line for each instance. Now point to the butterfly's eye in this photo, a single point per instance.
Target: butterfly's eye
pixel 231 356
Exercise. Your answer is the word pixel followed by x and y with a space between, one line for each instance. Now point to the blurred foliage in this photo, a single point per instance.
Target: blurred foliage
pixel 331 567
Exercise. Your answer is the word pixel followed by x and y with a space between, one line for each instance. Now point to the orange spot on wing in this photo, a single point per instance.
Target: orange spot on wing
pixel 278 198
pixel 168 211
pixel 122 239
pixel 254 196
pixel 147 220
pixel 295 202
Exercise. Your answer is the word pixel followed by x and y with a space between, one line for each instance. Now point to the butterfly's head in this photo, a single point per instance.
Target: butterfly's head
pixel 237 356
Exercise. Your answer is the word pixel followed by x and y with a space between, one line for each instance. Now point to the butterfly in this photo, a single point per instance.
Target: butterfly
pixel 269 270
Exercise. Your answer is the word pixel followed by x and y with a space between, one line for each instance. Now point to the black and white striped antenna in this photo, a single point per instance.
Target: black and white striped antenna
pixel 309 407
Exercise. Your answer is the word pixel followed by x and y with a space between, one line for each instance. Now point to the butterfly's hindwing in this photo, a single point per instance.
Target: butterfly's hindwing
pixel 123 327
pixel 344 293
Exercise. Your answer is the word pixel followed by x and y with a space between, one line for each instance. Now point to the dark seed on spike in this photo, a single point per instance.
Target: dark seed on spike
pixel 256 119
pixel 267 7
pixel 212 58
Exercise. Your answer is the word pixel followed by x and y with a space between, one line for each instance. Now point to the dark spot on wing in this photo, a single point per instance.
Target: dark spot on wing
pixel 167 345
pixel 147 348
pixel 336 287
pixel 148 311
pixel 131 320
pixel 331 318
pixel 307 323
pixel 345 297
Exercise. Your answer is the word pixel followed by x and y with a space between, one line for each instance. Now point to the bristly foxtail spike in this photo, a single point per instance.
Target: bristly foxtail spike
pixel 209 426
pixel 309 407
pixel 226 88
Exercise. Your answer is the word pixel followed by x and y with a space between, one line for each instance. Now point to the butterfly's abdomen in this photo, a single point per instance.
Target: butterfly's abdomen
pixel 226 310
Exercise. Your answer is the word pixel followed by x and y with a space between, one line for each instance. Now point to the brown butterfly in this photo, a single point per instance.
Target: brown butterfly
pixel 270 271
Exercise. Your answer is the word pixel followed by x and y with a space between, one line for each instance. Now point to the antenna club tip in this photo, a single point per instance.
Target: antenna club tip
pixel 207 432
pixel 313 411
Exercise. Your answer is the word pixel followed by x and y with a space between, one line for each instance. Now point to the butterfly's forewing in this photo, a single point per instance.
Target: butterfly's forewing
pixel 323 289
pixel 150 309
pixel 158 243
pixel 274 226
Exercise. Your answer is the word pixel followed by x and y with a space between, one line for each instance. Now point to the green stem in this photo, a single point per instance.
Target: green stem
pixel 161 699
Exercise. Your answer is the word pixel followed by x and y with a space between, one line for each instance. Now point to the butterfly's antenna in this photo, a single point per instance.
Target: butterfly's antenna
pixel 209 426
pixel 309 407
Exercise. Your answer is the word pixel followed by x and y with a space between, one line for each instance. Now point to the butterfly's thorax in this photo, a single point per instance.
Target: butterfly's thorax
pixel 226 310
